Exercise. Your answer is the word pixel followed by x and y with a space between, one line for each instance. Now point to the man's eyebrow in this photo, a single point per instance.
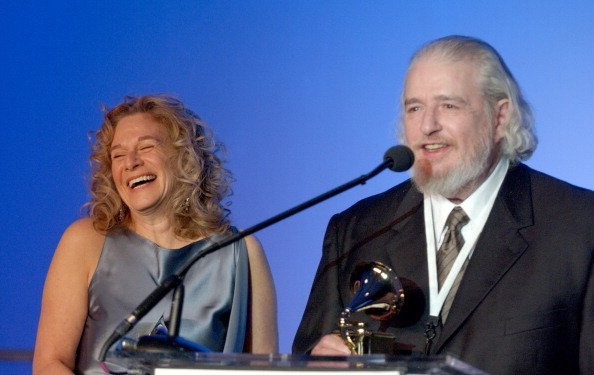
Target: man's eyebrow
pixel 411 101
pixel 455 98
pixel 441 98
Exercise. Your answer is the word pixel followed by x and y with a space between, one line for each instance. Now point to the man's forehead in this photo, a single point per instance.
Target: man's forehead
pixel 440 74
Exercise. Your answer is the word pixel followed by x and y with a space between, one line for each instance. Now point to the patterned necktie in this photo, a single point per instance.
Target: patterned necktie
pixel 448 251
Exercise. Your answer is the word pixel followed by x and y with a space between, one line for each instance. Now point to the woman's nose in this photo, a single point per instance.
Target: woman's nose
pixel 132 161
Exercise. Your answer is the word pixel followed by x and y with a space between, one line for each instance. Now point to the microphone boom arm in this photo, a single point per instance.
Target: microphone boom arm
pixel 174 280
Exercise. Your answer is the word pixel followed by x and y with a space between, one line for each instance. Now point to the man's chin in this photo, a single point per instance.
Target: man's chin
pixel 425 175
pixel 437 184
pixel 425 171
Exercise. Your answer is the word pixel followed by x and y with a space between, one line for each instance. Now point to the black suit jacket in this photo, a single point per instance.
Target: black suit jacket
pixel 526 301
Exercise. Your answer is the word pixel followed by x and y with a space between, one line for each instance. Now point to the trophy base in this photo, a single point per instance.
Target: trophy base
pixel 385 343
pixel 367 342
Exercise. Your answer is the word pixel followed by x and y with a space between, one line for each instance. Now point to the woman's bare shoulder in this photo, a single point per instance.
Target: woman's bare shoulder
pixel 82 241
pixel 253 244
pixel 82 232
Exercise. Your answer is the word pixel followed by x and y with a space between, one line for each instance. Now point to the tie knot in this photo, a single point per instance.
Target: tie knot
pixel 457 218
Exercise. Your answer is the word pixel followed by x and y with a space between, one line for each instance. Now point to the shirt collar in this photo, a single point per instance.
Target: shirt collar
pixel 475 205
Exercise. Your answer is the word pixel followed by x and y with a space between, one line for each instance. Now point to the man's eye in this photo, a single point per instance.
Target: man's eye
pixel 450 106
pixel 413 109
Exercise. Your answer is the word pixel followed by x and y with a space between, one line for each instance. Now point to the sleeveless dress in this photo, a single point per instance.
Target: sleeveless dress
pixel 131 267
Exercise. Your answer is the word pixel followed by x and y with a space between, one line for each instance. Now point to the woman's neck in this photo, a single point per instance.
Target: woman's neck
pixel 159 231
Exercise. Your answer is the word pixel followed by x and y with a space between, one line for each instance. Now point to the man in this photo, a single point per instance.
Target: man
pixel 518 296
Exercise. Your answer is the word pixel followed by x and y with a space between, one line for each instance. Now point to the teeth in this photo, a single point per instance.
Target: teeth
pixel 139 180
pixel 434 146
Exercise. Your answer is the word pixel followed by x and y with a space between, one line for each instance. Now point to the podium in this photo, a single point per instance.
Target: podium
pixel 153 363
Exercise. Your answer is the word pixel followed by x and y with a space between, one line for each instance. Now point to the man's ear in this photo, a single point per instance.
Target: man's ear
pixel 501 118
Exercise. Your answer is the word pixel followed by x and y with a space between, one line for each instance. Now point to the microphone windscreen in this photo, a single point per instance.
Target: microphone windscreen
pixel 401 157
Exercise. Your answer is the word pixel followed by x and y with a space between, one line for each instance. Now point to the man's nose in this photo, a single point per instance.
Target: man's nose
pixel 430 122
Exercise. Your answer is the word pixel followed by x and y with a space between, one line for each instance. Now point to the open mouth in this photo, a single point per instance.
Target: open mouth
pixel 139 181
pixel 434 146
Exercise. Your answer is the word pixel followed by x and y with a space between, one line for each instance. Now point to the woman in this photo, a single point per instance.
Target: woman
pixel 156 194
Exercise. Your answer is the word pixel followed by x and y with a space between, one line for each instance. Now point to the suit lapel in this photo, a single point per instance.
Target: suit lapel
pixel 409 244
pixel 498 247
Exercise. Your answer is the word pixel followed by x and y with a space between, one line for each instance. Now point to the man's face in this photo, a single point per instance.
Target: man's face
pixel 447 126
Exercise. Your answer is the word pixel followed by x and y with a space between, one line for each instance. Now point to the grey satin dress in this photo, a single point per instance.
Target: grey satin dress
pixel 130 267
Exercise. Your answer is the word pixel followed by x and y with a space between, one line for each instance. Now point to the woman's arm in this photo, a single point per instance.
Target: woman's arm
pixel 65 301
pixel 262 323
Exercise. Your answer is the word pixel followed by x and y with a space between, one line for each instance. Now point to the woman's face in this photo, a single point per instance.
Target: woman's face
pixel 140 164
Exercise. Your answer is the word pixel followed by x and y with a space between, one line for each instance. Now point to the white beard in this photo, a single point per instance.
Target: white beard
pixel 472 169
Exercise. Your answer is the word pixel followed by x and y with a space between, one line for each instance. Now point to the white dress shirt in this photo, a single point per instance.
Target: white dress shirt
pixel 436 210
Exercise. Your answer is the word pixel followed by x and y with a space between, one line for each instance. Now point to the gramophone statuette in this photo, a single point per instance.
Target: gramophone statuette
pixel 379 293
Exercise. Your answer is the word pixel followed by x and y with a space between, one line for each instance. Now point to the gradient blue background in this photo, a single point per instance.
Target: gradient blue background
pixel 303 94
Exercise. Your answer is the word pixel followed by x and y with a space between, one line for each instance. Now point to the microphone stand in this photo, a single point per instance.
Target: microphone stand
pixel 170 342
pixel 173 281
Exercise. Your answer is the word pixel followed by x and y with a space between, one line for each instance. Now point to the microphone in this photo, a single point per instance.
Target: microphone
pixel 398 159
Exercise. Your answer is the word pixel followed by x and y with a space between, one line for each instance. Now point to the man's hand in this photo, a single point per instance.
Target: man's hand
pixel 330 345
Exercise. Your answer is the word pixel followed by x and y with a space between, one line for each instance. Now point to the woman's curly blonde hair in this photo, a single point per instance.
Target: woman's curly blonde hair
pixel 202 181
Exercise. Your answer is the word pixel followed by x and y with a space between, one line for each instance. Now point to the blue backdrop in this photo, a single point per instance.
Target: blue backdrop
pixel 303 94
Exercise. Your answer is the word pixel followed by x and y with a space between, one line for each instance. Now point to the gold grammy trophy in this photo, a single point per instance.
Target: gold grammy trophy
pixel 379 293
